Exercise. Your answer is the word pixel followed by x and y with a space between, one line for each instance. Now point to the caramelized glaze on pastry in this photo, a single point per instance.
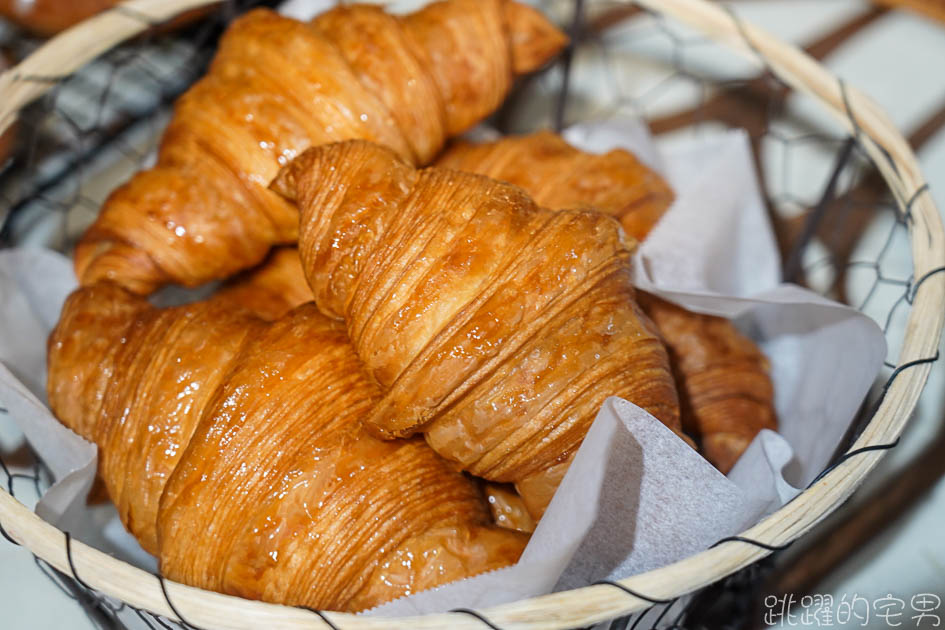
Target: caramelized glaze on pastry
pixel 494 326
pixel 278 86
pixel 557 175
pixel 270 290
pixel 725 391
pixel 508 509
pixel 235 451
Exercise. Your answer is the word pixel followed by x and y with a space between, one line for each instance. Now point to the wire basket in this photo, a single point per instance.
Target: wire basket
pixel 104 101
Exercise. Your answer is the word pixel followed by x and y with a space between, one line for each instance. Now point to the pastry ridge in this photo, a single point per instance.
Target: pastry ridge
pixel 235 451
pixel 494 326
pixel 278 86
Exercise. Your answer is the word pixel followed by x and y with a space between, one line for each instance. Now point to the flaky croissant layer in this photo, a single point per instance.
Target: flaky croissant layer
pixel 495 327
pixel 234 450
pixel 558 176
pixel 724 388
pixel 278 86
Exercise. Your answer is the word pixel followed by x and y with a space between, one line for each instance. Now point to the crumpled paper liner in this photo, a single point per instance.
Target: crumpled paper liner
pixel 636 496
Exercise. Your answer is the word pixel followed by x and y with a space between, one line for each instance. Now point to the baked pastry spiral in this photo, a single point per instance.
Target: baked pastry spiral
pixel 235 451
pixel 495 327
pixel 279 285
pixel 725 390
pixel 558 175
pixel 278 86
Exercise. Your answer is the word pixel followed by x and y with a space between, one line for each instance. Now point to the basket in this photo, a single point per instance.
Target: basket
pixel 865 128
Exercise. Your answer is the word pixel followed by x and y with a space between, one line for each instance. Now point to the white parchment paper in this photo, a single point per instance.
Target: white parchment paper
pixel 636 497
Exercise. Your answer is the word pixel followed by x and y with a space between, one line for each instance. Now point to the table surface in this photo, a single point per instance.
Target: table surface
pixel 899 60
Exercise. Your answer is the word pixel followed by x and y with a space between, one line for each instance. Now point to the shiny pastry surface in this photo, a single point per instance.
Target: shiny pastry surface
pixel 494 326
pixel 270 290
pixel 508 508
pixel 558 176
pixel 725 390
pixel 278 86
pixel 723 382
pixel 235 451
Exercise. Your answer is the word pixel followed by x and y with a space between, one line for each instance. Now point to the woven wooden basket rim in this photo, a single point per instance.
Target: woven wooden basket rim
pixel 859 115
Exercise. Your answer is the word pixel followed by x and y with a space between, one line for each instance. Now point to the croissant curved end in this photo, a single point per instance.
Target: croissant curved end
pixel 284 183
pixel 533 39
pixel 318 160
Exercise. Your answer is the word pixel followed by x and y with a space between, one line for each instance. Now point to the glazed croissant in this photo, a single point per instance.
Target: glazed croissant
pixel 270 290
pixel 557 175
pixel 495 327
pixel 234 450
pixel 278 86
pixel 279 285
pixel 725 391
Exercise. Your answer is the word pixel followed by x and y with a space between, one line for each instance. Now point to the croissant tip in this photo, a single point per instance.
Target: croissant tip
pixel 284 183
pixel 534 40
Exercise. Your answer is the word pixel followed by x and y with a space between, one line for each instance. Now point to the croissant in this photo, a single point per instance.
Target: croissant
pixel 279 285
pixel 278 86
pixel 235 451
pixel 723 381
pixel 508 509
pixel 558 175
pixel 495 327
pixel 270 290
pixel 725 390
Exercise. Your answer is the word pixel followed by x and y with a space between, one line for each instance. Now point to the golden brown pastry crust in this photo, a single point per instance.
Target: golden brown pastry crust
pixel 702 352
pixel 725 391
pixel 726 395
pixel 235 451
pixel 272 289
pixel 278 86
pixel 48 17
pixel 559 176
pixel 508 508
pixel 492 325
